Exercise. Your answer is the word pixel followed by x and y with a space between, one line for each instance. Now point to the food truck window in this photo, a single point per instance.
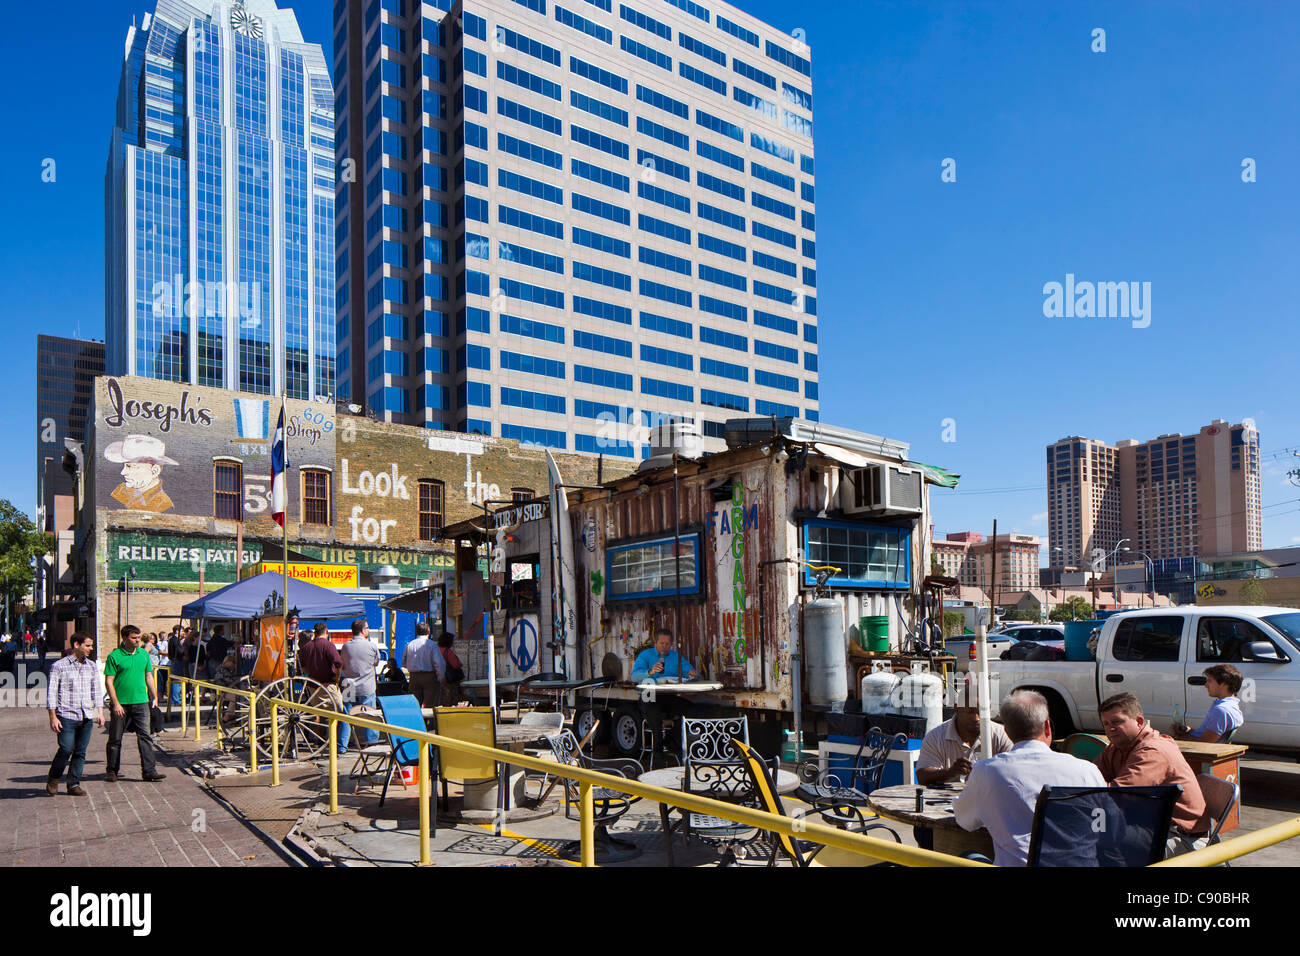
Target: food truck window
pixel 647 569
pixel 869 556
pixel 524 584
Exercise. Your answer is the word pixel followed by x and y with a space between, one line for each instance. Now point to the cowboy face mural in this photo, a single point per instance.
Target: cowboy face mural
pixel 142 458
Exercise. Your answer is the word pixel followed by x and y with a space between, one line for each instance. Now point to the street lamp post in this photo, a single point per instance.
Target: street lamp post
pixel 1114 582
pixel 1152 566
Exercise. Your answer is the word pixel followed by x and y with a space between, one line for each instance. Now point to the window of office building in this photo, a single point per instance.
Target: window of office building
pixel 431 509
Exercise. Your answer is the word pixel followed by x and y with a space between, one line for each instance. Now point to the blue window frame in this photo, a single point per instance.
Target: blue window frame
pixel 529 81
pixel 709 121
pixel 666 229
pixel 529 151
pixel 533 258
pixel 722 277
pixel 602 343
pixel 665 293
pixel 595 140
pixel 779 150
pixel 605 277
pixel 530 187
pixel 589 104
pixel 720 246
pixel 648 160
pixel 534 401
pixel 604 210
pixel 710 366
pixel 775 264
pixel 515 111
pixel 533 364
pixel 772 234
pixel 694 9
pixel 531 328
pixel 663 133
pixel 870 556
pixel 649 54
pixel 756 103
pixel 701 49
pixel 722 187
pixel 673 359
pixel 772 176
pixel 606 378
pixel 782 353
pixel 665 103
pixel 675 391
pixel 544 437
pixel 797 97
pixel 720 216
pixel 662 323
pixel 599 174
pixel 601 242
pixel 602 310
pixel 737 31
pixel 709 396
pixel 753 73
pixel 719 155
pixel 649 24
pixel 771 205
pixel 793 61
pixel 649 570
pixel 597 75
pixel 526 220
pixel 662 260
pixel 727 340
pixel 582 24
pixel 728 310
pixel 706 80
pixel 785 383
pixel 663 196
pixel 527 45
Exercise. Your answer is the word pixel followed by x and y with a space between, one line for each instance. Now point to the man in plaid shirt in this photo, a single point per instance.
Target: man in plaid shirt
pixel 75 699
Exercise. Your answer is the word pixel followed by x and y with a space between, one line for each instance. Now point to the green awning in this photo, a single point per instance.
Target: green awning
pixel 936 475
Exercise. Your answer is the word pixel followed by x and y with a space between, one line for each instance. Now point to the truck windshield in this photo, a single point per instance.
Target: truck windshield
pixel 1288 624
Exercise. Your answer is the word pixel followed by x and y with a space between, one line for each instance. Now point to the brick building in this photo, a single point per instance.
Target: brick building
pixel 174 493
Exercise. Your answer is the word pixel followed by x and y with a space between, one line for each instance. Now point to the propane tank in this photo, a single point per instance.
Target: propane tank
pixel 922 695
pixel 825 653
pixel 878 688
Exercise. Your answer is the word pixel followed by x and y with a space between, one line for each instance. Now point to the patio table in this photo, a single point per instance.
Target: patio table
pixel 899 803
pixel 482 794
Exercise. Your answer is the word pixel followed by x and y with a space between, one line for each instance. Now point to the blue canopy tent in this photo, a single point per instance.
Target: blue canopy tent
pixel 253 597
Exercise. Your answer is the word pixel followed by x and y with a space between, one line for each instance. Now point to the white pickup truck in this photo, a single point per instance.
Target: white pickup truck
pixel 1159 654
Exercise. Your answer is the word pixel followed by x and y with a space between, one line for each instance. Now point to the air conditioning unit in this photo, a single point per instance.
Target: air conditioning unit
pixel 881 490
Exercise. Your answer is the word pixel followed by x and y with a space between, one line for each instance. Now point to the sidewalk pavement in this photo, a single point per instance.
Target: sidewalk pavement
pixel 174 822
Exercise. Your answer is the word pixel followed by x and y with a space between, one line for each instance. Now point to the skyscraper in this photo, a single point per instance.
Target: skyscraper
pixel 65 383
pixel 1176 496
pixel 569 217
pixel 219 196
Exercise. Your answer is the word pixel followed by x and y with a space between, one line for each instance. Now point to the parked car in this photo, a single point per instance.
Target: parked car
pixel 1051 634
pixel 1159 654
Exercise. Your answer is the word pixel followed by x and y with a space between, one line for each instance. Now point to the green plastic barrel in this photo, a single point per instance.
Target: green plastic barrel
pixel 873 633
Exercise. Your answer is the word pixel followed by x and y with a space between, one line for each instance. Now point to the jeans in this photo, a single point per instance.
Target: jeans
pixel 367 735
pixel 74 738
pixel 135 719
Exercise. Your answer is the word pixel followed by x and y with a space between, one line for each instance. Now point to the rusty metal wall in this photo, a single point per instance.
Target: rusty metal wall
pixel 748 653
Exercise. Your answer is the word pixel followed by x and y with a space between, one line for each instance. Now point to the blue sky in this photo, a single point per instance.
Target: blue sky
pixel 1115 166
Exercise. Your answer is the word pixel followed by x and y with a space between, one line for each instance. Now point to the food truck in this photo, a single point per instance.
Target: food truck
pixel 721 549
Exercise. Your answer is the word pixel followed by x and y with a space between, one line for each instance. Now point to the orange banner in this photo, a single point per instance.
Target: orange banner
pixel 270 651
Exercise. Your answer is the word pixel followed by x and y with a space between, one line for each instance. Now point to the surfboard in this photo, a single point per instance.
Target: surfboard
pixel 564 587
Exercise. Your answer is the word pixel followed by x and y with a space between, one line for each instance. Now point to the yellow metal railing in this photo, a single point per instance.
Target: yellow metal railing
pixel 1237 846
pixel 792 826
pixel 795 827
pixel 249 695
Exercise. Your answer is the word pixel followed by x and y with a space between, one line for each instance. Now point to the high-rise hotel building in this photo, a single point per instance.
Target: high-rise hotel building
pixel 569 216
pixel 219 194
pixel 1176 496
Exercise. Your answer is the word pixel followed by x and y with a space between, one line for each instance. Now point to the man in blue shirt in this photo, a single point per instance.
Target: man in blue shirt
pixel 1222 682
pixel 656 664
pixel 662 661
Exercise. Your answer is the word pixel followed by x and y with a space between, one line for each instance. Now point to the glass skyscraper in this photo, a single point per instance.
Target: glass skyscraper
pixel 570 215
pixel 219 196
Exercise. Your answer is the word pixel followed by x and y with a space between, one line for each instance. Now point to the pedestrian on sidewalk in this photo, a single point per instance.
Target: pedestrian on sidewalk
pixel 454 671
pixel 74 697
pixel 360 657
pixel 128 672
pixel 426 666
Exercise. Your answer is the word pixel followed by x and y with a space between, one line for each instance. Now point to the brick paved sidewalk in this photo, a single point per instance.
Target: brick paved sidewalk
pixel 174 822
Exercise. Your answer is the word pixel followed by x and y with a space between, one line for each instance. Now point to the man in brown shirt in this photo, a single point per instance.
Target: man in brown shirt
pixel 1141 756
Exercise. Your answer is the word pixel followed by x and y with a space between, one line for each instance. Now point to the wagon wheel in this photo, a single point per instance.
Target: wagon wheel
pixel 301 736
pixel 232 715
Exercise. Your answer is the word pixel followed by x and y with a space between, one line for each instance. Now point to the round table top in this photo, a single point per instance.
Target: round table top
pixel 899 803
pixel 558 685
pixel 501 682
pixel 670 778
pixel 672 687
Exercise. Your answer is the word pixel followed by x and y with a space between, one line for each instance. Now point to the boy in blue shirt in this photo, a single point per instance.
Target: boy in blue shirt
pixel 1222 681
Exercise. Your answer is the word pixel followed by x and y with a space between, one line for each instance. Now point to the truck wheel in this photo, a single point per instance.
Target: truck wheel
pixel 1058 714
pixel 625 732
pixel 583 721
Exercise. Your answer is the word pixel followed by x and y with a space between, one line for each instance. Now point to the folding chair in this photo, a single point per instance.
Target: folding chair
pixel 1101 826
pixel 372 759
pixel 403 710
pixel 1221 798
pixel 475 725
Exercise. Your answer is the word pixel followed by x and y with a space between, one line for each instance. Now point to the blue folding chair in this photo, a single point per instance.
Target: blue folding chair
pixel 403 710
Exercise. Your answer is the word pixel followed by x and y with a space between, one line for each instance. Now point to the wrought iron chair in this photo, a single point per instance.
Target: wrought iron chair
pixel 800 853
pixel 713 767
pixel 608 804
pixel 840 804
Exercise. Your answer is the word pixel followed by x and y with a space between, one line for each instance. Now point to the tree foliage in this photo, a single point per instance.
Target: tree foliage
pixel 954 623
pixel 1075 609
pixel 20 545
pixel 1252 592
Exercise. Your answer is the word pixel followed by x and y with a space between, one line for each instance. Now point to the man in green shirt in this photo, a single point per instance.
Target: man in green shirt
pixel 129 676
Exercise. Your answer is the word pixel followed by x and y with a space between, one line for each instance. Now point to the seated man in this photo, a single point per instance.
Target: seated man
pixel 1001 792
pixel 654 664
pixel 1141 756
pixel 662 661
pixel 949 751
pixel 1222 681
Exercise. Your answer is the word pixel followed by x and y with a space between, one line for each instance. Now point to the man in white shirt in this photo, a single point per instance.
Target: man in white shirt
pixel 1001 792
pixel 425 664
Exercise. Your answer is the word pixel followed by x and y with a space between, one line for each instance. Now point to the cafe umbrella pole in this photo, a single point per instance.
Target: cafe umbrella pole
pixel 677 574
